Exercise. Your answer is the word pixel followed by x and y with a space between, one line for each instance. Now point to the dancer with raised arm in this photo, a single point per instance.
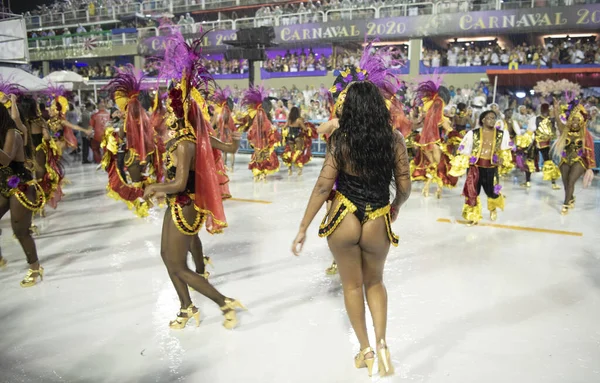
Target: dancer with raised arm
pixel 365 155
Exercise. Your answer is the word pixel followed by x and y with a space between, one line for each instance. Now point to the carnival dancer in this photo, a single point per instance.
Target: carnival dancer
pixel 224 121
pixel 375 64
pixel 524 145
pixel 223 125
pixel 434 162
pixel 61 137
pixel 262 135
pixel 192 187
pixel 39 136
pixel 60 128
pixel 98 121
pixel 298 136
pixel 575 148
pixel 136 137
pixel 482 152
pixel 462 119
pixel 544 128
pixel 19 193
pixel 365 154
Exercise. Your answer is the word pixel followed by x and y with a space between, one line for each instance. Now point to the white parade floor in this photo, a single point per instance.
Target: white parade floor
pixel 486 304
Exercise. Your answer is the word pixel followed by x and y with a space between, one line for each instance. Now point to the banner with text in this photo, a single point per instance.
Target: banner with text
pixel 556 19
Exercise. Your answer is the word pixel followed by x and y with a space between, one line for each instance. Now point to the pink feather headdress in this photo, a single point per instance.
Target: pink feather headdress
pixel 254 96
pixel 222 95
pixel 375 67
pixel 184 60
pixel 126 85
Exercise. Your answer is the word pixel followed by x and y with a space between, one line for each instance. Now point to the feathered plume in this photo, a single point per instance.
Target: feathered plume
pixel 55 90
pixel 549 87
pixel 254 96
pixel 374 66
pixel 222 95
pixel 430 86
pixel 377 66
pixel 128 83
pixel 8 87
pixel 182 58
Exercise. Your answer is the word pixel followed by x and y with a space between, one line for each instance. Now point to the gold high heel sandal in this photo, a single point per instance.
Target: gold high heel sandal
pixel 564 210
pixel 181 320
pixel 438 193
pixel 361 361
pixel 385 360
pixel 33 229
pixel 526 185
pixel 555 187
pixel 3 263
pixel 229 312
pixel 32 276
pixel 290 171
pixel 208 262
pixel 493 215
pixel 426 188
pixel 332 270
pixel 572 203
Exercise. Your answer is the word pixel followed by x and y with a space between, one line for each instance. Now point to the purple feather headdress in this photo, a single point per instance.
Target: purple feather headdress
pixel 430 86
pixel 378 67
pixel 375 67
pixel 254 96
pixel 55 90
pixel 126 85
pixel 8 87
pixel 222 95
pixel 181 59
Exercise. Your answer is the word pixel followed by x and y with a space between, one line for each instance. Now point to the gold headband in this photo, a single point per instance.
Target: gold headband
pixel 579 112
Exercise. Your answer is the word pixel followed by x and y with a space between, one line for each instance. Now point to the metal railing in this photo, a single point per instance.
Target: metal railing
pixel 104 15
pixel 79 44
pixel 413 9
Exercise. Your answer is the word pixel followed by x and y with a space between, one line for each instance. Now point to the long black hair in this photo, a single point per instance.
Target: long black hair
pixel 364 142
pixel 294 114
pixel 28 108
pixel 6 123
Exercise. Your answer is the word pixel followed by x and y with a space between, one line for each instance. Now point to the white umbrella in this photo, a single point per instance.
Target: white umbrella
pixel 26 80
pixel 64 76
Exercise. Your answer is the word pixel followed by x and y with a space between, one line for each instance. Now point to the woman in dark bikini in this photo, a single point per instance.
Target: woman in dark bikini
pixel 19 193
pixel 365 155
pixel 298 138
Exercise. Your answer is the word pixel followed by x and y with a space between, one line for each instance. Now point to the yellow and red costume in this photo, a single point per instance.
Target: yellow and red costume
pixel 61 136
pixel 434 99
pixel 225 126
pixel 141 144
pixel 262 134
pixel 298 145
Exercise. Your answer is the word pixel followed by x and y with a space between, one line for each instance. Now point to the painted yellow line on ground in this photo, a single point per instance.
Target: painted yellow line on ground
pixel 521 228
pixel 250 200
